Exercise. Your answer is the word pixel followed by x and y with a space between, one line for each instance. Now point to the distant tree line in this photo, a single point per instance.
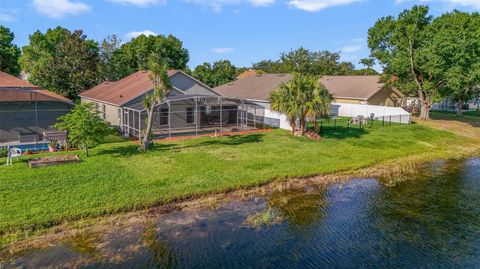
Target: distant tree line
pixel 302 61
pixel 429 58
pixel 218 73
pixel 316 63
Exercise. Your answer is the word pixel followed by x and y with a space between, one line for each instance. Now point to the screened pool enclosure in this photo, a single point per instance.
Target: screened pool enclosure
pixel 29 112
pixel 195 115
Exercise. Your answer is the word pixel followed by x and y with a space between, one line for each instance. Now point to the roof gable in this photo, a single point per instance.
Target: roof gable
pixel 9 81
pixel 13 89
pixel 127 89
pixel 247 73
pixel 256 87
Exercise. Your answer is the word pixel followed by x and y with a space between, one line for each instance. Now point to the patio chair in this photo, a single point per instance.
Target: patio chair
pixel 13 153
pixel 354 120
pixel 359 120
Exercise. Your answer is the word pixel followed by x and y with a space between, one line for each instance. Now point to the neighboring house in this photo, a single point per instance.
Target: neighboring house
pixel 257 88
pixel 347 91
pixel 448 104
pixel 27 109
pixel 365 90
pixel 191 106
pixel 247 73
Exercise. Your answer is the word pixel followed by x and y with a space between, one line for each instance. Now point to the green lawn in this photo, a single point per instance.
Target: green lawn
pixel 467 115
pixel 119 178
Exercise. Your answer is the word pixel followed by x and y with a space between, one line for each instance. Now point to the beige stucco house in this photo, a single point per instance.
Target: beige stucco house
pixel 191 106
pixel 367 90
pixel 351 93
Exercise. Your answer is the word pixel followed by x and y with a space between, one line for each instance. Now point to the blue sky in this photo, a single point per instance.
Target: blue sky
pixel 243 31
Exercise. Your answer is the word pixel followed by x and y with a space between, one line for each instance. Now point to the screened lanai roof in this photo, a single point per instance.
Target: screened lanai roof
pixel 30 95
pixel 13 89
pixel 138 106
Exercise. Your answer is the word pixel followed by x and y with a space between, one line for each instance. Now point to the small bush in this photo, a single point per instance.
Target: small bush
pixel 3 152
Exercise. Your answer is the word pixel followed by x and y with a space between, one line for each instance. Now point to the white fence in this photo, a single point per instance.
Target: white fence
pixel 284 123
pixel 352 110
pixel 393 114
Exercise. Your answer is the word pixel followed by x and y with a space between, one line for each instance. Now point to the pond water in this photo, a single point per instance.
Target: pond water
pixel 429 221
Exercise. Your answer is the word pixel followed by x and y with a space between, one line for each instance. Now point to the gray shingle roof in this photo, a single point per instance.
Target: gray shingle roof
pixel 352 87
pixel 258 87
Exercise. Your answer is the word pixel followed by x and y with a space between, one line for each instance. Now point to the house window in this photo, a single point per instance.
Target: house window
pixel 119 114
pixel 104 112
pixel 164 116
pixel 190 115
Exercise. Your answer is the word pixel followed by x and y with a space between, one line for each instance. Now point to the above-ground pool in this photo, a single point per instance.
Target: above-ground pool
pixel 32 147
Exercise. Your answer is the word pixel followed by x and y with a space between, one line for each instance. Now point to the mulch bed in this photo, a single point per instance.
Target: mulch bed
pixel 53 160
pixel 47 151
pixel 160 210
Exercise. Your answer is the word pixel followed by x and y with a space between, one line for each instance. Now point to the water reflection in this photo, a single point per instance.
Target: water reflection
pixel 432 220
pixel 162 255
pixel 300 208
pixel 84 242
pixel 435 217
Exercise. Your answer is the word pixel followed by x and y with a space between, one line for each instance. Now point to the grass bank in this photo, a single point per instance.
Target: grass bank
pixel 118 178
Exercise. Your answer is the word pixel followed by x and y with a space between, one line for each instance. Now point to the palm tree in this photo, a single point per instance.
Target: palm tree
pixel 161 87
pixel 300 97
pixel 320 105
pixel 281 100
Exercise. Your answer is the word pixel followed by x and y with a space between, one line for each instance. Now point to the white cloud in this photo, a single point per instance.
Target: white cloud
pixel 134 34
pixel 60 8
pixel 140 3
pixel 451 3
pixel 316 5
pixel 358 40
pixel 261 3
pixel 218 5
pixel 351 49
pixel 9 15
pixel 473 3
pixel 223 50
pixel 6 17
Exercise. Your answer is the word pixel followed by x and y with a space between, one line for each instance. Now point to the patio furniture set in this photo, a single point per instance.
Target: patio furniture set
pixel 54 139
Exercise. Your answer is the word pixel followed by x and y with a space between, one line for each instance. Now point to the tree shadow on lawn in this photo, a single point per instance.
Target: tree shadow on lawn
pixel 469 119
pixel 132 149
pixel 343 132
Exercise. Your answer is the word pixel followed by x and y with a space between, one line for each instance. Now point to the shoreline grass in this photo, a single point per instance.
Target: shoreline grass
pixel 118 178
